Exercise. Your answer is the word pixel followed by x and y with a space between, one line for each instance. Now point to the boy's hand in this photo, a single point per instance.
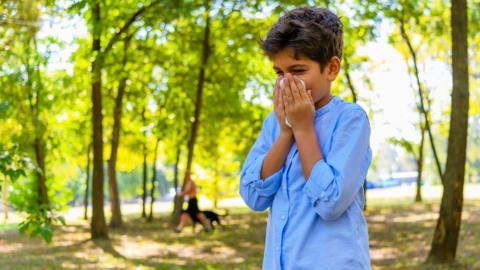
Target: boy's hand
pixel 279 108
pixel 298 104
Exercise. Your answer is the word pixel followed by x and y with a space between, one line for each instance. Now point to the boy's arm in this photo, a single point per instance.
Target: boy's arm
pixel 275 158
pixel 308 149
pixel 333 183
pixel 262 170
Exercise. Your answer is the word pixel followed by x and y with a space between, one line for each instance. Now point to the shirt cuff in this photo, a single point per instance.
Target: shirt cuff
pixel 264 187
pixel 316 186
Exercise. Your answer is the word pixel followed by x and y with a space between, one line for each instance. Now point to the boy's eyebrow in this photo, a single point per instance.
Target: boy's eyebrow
pixel 290 67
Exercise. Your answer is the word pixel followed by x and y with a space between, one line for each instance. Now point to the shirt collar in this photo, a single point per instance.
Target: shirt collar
pixel 327 107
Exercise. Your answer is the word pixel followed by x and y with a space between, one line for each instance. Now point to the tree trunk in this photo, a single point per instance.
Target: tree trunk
pixel 175 169
pixel 99 228
pixel 418 194
pixel 87 184
pixel 215 186
pixel 349 79
pixel 38 143
pixel 116 220
pixel 178 200
pixel 41 178
pixel 177 207
pixel 39 130
pixel 98 224
pixel 154 176
pixel 145 172
pixel 445 239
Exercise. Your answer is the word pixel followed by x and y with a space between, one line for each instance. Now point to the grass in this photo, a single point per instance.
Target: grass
pixel 400 236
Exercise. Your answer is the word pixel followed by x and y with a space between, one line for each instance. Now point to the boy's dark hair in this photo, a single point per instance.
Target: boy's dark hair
pixel 314 32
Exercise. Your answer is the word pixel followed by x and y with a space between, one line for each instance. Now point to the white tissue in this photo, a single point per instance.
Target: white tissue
pixel 287 123
pixel 282 83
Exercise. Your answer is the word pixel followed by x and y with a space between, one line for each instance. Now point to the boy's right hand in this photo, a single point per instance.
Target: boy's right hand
pixel 279 107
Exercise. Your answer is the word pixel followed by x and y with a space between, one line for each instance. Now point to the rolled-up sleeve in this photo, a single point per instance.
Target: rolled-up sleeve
pixel 335 180
pixel 258 193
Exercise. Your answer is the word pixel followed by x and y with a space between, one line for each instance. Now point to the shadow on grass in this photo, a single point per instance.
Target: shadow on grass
pixel 400 238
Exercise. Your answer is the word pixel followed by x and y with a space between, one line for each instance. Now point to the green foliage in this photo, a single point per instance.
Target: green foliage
pixel 407 145
pixel 39 222
pixel 39 219
pixel 14 164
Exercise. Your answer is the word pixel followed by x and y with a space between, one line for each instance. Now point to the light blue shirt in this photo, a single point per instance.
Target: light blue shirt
pixel 318 223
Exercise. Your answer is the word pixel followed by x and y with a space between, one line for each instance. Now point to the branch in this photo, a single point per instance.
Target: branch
pixel 349 79
pixel 124 28
pixel 407 40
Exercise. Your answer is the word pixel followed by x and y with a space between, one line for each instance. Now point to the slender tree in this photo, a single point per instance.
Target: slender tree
pixel 445 238
pixel 153 181
pixel 116 219
pixel 206 52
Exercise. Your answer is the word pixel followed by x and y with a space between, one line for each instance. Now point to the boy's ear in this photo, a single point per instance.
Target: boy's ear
pixel 333 68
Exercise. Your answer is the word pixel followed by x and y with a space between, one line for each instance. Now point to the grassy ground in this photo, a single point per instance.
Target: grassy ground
pixel 400 235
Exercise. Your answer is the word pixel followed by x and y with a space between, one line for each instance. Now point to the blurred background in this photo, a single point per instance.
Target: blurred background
pixel 105 105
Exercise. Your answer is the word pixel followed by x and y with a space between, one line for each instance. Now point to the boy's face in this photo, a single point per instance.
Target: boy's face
pixel 307 70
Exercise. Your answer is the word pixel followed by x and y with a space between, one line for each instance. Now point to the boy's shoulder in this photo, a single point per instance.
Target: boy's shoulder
pixel 348 107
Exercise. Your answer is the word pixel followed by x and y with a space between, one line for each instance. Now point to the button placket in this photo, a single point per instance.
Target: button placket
pixel 285 175
pixel 290 158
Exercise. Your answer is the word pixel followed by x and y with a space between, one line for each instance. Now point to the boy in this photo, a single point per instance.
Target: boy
pixel 310 160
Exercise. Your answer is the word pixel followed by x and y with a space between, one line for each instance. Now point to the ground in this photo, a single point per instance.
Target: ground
pixel 400 234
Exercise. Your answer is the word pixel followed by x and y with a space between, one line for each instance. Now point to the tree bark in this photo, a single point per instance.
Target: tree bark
pixel 197 113
pixel 144 172
pixel 349 79
pixel 175 169
pixel 38 142
pixel 215 185
pixel 98 225
pixel 418 193
pixel 445 239
pixel 87 184
pixel 154 177
pixel 116 220
pixel 41 178
pixel 178 200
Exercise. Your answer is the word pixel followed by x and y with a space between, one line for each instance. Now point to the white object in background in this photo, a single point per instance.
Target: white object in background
pixel 282 85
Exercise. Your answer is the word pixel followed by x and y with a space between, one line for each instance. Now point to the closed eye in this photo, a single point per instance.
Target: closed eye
pixel 293 71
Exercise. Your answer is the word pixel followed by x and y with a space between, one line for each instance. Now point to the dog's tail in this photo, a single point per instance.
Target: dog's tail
pixel 225 213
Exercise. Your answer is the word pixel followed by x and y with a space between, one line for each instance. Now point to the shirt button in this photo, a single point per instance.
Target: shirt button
pixel 282 217
pixel 277 248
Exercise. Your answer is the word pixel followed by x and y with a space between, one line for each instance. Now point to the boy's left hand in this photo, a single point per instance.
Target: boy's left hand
pixel 298 103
